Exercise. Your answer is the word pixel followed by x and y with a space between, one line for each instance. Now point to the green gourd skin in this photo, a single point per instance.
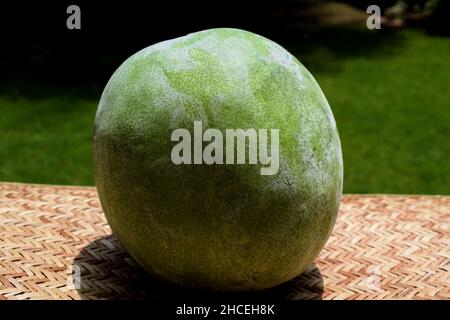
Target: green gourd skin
pixel 217 227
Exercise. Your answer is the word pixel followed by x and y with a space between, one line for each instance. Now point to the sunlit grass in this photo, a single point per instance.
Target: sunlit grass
pixel 390 98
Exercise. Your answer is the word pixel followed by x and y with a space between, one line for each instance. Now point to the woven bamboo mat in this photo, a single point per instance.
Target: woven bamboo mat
pixel 55 244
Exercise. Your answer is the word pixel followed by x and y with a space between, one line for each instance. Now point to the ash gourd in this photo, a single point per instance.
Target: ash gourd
pixel 197 205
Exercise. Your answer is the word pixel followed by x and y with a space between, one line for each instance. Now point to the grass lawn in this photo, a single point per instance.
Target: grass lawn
pixel 390 95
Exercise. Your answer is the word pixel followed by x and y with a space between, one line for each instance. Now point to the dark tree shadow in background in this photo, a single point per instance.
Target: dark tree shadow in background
pixel 109 272
pixel 41 57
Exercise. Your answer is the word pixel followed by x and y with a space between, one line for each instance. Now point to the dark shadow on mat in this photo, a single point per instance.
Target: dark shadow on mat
pixel 107 271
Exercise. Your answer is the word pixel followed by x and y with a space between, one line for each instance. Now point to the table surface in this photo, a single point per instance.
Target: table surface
pixel 55 243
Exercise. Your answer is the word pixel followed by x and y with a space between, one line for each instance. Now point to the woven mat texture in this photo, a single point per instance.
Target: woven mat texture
pixel 55 243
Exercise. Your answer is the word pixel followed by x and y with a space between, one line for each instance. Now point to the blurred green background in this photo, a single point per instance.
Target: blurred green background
pixel 389 90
